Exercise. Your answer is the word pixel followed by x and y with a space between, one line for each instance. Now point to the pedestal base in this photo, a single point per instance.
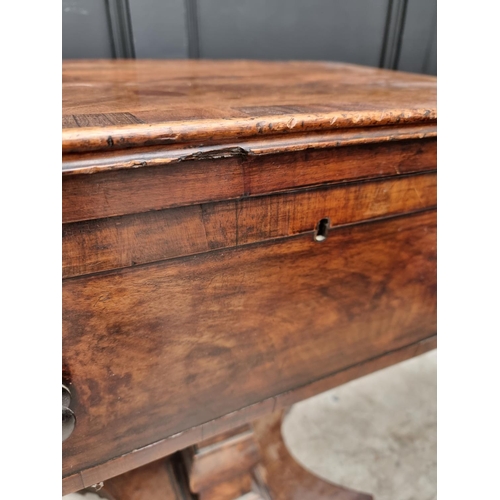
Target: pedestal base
pixel 248 463
pixel 282 477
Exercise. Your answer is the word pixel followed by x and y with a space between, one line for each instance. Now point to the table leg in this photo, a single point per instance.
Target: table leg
pixel 251 462
pixel 283 477
pixel 156 481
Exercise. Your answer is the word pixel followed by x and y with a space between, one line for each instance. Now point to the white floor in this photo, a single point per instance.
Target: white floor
pixel 376 434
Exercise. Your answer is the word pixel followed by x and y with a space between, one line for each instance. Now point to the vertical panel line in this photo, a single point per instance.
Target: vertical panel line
pixel 401 27
pixel 393 34
pixel 111 29
pixel 120 28
pixel 428 49
pixel 192 29
pixel 129 34
pixel 383 53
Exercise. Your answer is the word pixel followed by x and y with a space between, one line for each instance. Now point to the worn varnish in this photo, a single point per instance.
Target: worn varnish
pixel 123 104
pixel 195 298
pixel 117 242
pixel 112 193
pixel 230 421
pixel 167 346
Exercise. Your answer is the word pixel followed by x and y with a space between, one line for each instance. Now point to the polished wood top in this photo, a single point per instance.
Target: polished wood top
pixel 121 104
pixel 196 296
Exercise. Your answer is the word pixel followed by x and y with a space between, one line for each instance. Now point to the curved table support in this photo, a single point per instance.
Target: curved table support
pixel 283 477
pixel 251 462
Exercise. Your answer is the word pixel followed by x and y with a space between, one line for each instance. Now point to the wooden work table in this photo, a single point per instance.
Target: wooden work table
pixel 237 236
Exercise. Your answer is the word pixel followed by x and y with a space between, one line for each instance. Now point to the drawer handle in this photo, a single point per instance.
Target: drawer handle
pixel 322 228
pixel 68 417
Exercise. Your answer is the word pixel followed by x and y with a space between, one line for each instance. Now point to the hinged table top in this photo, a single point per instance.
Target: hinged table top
pixel 116 108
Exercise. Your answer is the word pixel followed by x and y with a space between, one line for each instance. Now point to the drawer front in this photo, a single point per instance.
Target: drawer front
pixel 191 182
pixel 159 348
pixel 118 242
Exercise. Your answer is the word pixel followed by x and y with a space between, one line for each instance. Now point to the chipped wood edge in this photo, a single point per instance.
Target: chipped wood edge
pixel 136 155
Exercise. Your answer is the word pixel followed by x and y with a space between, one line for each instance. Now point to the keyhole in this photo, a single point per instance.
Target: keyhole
pixel 322 229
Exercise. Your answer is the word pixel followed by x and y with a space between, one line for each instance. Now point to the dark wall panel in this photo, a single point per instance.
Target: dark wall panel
pixel 85 30
pixel 418 48
pixel 350 31
pixel 395 34
pixel 431 65
pixel 159 28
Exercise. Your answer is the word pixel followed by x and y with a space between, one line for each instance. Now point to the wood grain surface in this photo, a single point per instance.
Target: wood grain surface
pixel 108 160
pixel 236 488
pixel 220 461
pixel 282 478
pixel 155 481
pixel 195 299
pixel 227 423
pixel 112 193
pixel 164 347
pixel 117 242
pixel 109 105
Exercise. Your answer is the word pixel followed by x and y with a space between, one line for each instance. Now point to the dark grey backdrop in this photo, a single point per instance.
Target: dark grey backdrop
pixel 397 34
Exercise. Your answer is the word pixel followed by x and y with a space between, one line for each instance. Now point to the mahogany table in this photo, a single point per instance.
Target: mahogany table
pixel 237 236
